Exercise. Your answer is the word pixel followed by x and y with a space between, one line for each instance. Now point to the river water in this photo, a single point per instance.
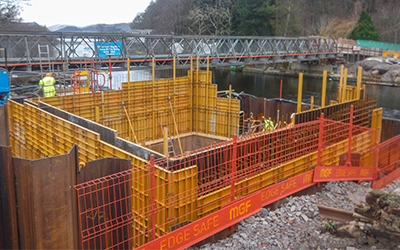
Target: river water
pixel 268 86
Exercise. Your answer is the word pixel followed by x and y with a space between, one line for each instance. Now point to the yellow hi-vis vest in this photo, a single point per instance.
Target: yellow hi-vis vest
pixel 47 83
pixel 268 125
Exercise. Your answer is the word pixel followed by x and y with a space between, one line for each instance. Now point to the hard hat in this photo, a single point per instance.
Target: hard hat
pixel 48 74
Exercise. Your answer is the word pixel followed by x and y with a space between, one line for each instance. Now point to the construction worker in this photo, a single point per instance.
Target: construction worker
pixel 268 124
pixel 47 83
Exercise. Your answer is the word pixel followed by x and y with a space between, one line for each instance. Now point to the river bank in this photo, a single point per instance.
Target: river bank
pixel 315 75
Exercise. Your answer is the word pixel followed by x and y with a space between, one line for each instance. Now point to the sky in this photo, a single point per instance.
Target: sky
pixel 82 12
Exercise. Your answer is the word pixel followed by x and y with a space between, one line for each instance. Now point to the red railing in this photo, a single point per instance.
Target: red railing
pixel 178 201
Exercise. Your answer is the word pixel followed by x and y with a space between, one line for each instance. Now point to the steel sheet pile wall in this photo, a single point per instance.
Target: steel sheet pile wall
pixel 35 134
pixel 175 194
pixel 341 112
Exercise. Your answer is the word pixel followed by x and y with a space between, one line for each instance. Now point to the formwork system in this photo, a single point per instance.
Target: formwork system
pixel 140 110
pixel 179 201
pixel 174 202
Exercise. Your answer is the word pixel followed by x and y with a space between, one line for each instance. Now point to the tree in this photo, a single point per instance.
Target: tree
pixel 365 29
pixel 10 10
pixel 212 18
pixel 253 18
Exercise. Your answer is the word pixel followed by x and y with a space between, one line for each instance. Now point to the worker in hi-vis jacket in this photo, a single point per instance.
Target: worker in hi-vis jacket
pixel 47 83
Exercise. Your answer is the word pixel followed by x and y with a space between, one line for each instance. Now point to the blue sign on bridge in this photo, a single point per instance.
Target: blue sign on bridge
pixel 109 49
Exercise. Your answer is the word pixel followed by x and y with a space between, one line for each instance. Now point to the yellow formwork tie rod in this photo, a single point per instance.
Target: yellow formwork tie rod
pixel 176 127
pixel 130 124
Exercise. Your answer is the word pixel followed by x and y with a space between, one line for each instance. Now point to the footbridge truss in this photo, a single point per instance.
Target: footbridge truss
pixel 31 50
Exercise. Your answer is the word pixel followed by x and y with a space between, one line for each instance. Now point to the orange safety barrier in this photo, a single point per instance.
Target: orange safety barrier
pixel 178 201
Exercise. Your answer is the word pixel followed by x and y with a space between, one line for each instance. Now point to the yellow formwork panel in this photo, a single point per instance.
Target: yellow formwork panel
pixel 46 135
pixel 148 106
pixel 376 122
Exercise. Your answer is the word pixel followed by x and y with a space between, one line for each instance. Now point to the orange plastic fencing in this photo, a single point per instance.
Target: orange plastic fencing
pixel 178 201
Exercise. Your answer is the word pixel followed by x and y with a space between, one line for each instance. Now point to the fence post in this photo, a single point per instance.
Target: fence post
pixel 152 198
pixel 348 163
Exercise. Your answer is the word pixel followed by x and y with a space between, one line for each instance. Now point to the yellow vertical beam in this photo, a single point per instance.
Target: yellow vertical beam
pixel 97 114
pixel 312 102
pixel 376 121
pixel 191 69
pixel 299 92
pixel 198 69
pixel 191 89
pixel 153 69
pixel 208 69
pixel 359 78
pixel 344 98
pixel 165 143
pixel 128 62
pixel 128 91
pixel 340 84
pixel 323 89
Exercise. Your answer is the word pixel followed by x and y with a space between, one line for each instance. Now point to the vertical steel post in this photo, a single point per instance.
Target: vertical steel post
pixel 300 91
pixel 109 64
pixel 321 128
pixel 191 69
pixel 348 163
pixel 233 174
pixel 359 78
pixel 198 68
pixel 152 198
pixel 153 69
pixel 344 86
pixel 208 70
pixel 340 84
pixel 128 62
pixel 312 102
pixel 323 89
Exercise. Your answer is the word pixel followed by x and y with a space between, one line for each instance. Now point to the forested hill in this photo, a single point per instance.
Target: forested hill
pixel 333 18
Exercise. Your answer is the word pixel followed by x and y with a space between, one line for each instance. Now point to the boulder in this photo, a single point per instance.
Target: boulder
pixel 364 209
pixel 381 68
pixel 375 72
pixel 373 196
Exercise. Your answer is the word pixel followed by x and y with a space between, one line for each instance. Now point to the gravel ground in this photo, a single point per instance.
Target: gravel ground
pixel 296 224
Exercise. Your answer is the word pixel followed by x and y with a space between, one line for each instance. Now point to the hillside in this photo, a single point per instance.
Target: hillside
pixel 104 28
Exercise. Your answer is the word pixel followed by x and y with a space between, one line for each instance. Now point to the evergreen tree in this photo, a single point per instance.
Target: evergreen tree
pixel 253 18
pixel 365 29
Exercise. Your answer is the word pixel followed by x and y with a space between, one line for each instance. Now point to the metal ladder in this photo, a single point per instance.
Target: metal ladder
pixel 45 54
pixel 168 145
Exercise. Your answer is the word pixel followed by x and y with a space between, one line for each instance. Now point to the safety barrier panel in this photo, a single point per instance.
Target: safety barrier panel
pixel 388 163
pixel 181 200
